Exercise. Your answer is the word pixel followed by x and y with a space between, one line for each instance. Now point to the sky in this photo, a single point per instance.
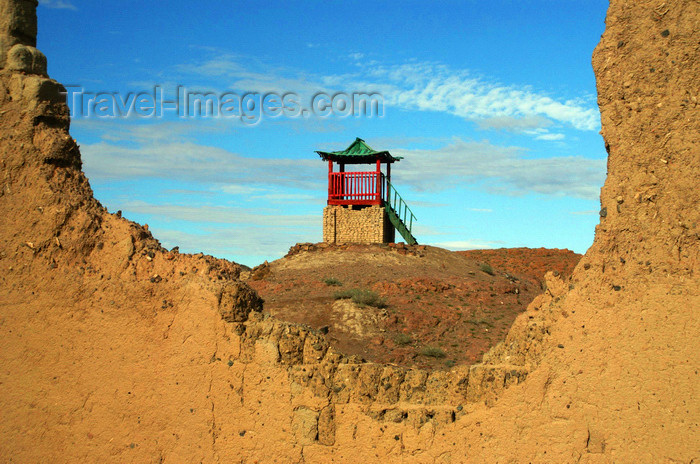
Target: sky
pixel 491 104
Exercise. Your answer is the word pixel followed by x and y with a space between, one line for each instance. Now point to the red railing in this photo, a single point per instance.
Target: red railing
pixel 356 188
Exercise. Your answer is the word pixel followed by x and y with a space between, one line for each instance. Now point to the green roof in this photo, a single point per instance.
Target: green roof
pixel 358 153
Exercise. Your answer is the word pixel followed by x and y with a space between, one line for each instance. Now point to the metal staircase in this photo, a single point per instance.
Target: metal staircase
pixel 400 214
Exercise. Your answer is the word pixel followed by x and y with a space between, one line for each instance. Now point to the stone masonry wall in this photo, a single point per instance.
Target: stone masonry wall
pixel 345 225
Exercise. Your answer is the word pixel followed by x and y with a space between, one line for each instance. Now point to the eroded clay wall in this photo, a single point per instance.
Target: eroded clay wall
pixel 113 349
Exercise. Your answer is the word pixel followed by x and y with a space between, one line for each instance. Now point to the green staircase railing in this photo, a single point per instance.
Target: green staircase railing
pixel 400 214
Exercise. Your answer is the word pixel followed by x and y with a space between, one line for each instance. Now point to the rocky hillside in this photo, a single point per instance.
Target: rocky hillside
pixel 417 306
pixel 113 349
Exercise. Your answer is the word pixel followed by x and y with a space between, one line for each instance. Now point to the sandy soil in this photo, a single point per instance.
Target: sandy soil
pixel 113 349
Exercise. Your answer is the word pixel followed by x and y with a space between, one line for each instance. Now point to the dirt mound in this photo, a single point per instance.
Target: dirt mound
pixel 531 262
pixel 431 308
pixel 113 349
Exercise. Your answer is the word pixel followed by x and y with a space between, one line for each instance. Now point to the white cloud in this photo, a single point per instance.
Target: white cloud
pixel 163 151
pixel 421 229
pixel 427 204
pixel 246 74
pixel 513 124
pixel 290 198
pixel 414 86
pixel 58 4
pixel 239 189
pixel 222 215
pixel 550 137
pixel 500 170
pixel 475 244
pixel 158 151
pixel 247 245
pixel 242 234
pixel 435 87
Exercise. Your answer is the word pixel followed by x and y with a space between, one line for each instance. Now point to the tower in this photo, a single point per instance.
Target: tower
pixel 363 206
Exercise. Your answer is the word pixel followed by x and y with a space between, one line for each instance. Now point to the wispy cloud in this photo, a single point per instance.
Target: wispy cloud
pixel 240 189
pixel 551 137
pixel 499 169
pixel 436 87
pixel 249 245
pixel 244 233
pixel 427 204
pixel 160 151
pixel 474 244
pixel 149 154
pixel 513 124
pixel 58 4
pixel 291 198
pixel 222 215
pixel 248 74
pixel 422 230
pixel 417 86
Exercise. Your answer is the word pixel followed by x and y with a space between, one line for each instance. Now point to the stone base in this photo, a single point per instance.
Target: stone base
pixel 368 224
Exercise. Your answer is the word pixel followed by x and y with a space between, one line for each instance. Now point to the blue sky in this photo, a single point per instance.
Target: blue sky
pixel 492 104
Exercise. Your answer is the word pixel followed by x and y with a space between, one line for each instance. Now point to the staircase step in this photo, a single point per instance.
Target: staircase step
pixel 400 226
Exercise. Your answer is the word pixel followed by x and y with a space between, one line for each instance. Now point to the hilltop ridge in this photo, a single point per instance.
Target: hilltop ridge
pixel 437 308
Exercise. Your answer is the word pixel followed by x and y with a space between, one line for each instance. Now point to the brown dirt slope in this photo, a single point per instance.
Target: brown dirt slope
pixel 114 350
pixel 531 262
pixel 436 308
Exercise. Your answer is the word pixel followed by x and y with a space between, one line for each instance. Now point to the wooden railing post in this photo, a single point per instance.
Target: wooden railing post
pixel 388 178
pixel 330 179
pixel 379 189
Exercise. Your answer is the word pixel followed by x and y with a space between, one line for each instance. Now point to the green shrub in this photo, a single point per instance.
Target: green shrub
pixel 402 339
pixel 433 352
pixel 487 269
pixel 332 282
pixel 361 297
